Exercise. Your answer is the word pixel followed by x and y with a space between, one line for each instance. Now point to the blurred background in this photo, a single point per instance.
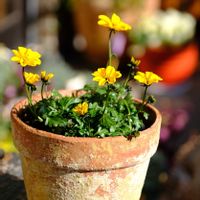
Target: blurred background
pixel 165 37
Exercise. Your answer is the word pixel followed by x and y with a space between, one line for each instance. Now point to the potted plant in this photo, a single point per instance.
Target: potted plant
pixel 93 143
pixel 166 46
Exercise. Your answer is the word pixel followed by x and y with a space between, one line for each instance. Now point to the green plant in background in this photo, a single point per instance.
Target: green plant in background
pixel 101 109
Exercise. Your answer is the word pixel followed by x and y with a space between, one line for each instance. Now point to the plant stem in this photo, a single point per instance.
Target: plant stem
pixel 143 99
pixel 106 103
pixel 128 78
pixel 42 90
pixel 110 48
pixel 28 92
pixel 23 70
pixel 145 94
pixel 129 113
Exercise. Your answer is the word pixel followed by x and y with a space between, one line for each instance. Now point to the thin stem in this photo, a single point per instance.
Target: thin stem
pixel 143 99
pixel 28 93
pixel 145 94
pixel 42 90
pixel 47 93
pixel 110 48
pixel 106 103
pixel 27 88
pixel 129 113
pixel 23 70
pixel 128 78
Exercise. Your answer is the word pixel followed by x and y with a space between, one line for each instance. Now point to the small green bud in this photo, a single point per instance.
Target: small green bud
pixel 151 99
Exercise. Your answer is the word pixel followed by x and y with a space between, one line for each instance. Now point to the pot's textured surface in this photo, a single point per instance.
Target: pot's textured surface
pixel 56 167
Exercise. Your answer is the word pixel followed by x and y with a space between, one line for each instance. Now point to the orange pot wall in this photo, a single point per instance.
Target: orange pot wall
pixel 174 66
pixel 56 167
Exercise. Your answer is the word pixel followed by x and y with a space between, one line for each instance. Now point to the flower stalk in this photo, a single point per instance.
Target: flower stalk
pixel 27 88
pixel 42 90
pixel 144 95
pixel 110 47
pixel 106 101
pixel 128 78
pixel 45 78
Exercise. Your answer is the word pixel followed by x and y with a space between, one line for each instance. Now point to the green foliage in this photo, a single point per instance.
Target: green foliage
pixel 111 112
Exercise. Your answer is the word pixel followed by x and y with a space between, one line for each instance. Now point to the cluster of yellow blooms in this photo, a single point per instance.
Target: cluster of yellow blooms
pixel 27 57
pixel 109 74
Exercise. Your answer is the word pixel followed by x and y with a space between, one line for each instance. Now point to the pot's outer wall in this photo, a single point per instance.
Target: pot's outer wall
pixel 56 167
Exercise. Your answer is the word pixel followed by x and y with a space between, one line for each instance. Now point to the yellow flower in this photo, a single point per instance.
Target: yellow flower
pixel 46 77
pixel 134 61
pixel 147 78
pixel 31 78
pixel 81 108
pixel 114 23
pixel 104 75
pixel 26 57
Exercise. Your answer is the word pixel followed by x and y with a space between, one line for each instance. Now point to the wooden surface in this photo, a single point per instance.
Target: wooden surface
pixel 11 180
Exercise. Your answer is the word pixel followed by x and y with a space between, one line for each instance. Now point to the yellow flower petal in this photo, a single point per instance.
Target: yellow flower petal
pixel 118 74
pixel 104 21
pixel 43 74
pixel 15 59
pixel 22 50
pixel 50 76
pixel 115 19
pixel 102 82
pixel 110 71
pixel 16 53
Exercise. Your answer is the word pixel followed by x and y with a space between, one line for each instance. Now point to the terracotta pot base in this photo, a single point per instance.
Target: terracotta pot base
pixel 46 183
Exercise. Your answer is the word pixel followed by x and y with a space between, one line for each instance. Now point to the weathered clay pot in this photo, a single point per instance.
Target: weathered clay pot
pixel 56 167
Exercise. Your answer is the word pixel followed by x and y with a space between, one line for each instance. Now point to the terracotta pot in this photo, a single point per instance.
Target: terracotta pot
pixel 56 167
pixel 173 65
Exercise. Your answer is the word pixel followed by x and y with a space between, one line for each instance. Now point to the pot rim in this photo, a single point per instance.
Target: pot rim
pixel 20 104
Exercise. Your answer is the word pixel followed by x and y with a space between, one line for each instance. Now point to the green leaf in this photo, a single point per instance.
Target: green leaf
pixel 102 132
pixel 107 121
pixel 146 115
